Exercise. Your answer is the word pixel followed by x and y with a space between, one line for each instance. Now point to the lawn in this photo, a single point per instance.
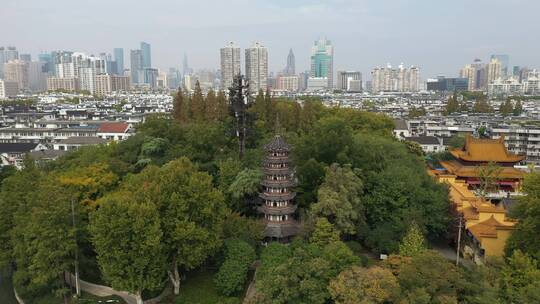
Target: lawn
pixel 199 288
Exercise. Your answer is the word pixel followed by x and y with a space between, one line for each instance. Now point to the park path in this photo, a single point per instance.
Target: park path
pixel 100 290
pixel 252 290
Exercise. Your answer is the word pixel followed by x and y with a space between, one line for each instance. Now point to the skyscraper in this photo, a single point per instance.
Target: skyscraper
pixel 494 70
pixel 119 58
pixel 25 57
pixel 290 69
pixel 349 81
pixel 136 61
pixel 146 55
pixel 17 71
pixel 390 79
pixel 185 67
pixel 257 67
pixel 230 64
pixel 322 61
pixel 505 63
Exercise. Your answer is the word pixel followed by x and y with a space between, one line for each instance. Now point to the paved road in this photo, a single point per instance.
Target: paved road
pixel 450 253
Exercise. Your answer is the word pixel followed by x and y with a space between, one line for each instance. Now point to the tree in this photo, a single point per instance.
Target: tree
pixel 482 105
pixel 269 109
pixel 340 199
pixel 361 285
pixel 244 189
pixel 211 105
pixel 247 229
pixel 429 276
pixel 180 107
pixel 414 148
pixel 323 233
pixel 302 273
pixel 232 274
pixel 14 202
pixel 452 106
pixel 417 112
pixel 47 245
pixel 191 212
pixel 489 177
pixel 507 107
pixel 259 107
pixel 413 243
pixel 127 238
pixel 520 279
pixel 221 106
pixel 198 104
pixel 518 108
pixel 527 212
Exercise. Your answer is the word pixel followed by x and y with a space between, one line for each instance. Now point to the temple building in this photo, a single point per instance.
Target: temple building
pixel 477 153
pixel 486 225
pixel 277 198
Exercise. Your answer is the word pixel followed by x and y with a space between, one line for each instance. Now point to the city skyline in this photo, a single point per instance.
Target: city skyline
pixel 375 32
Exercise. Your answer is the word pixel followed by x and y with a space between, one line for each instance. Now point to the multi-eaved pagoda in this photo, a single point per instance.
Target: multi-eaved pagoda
pixel 277 197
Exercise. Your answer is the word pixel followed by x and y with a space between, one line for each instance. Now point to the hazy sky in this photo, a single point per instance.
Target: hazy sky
pixel 437 35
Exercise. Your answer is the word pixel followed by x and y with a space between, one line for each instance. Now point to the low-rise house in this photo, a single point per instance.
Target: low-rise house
pixel 429 144
pixel 114 130
pixel 74 143
pixel 44 156
pixel 12 154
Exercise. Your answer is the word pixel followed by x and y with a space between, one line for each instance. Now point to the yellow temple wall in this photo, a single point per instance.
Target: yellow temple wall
pixel 494 247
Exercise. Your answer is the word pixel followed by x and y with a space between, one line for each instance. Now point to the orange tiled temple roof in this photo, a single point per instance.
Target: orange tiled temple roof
pixel 485 150
pixel 488 228
pixel 458 169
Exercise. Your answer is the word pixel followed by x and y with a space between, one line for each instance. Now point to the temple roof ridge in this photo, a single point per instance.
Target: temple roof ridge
pixel 485 150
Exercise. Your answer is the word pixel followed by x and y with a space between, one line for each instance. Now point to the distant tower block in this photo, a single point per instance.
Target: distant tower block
pixel 277 197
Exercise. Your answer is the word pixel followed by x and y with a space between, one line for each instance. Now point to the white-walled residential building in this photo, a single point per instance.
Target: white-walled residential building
pixel 74 143
pixel 230 64
pixel 114 130
pixel 317 84
pixel 429 144
pixel 257 67
pixel 402 79
pixel 508 86
pixel 287 83
pixel 12 154
pixel 8 89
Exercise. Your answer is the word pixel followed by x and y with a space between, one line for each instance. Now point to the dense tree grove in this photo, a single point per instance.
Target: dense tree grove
pixel 174 198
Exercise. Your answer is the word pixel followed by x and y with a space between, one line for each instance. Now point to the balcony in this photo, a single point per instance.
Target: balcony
pixel 289 209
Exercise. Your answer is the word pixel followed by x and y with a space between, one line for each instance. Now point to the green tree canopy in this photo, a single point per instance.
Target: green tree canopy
pixel 127 237
pixel 527 211
pixel 339 199
pixel 361 285
pixel 413 243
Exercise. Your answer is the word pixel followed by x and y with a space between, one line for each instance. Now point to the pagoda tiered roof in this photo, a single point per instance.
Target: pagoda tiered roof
pixel 290 209
pixel 278 183
pixel 277 144
pixel 277 196
pixel 281 229
pixel 285 170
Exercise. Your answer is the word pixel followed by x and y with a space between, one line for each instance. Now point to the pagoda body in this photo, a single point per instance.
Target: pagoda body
pixel 277 197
